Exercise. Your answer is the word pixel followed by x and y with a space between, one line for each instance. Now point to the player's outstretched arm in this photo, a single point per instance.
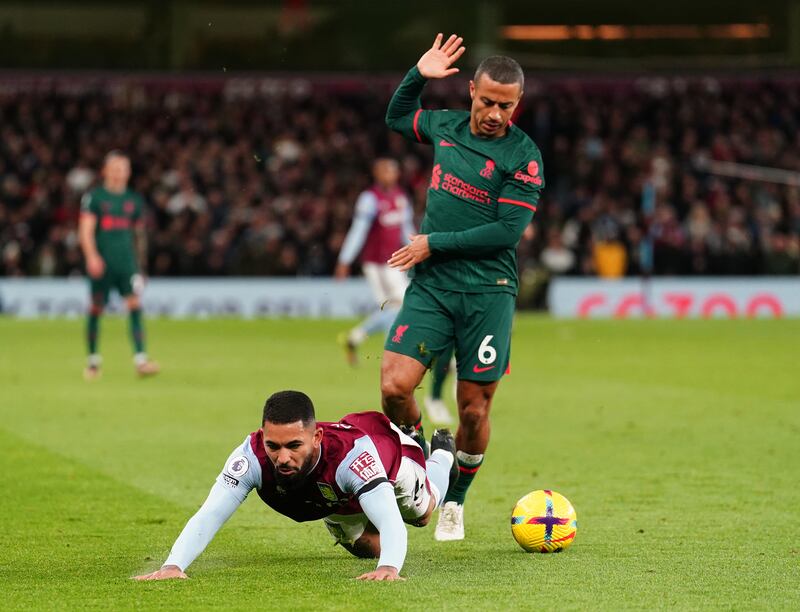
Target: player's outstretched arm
pixel 437 62
pixel 199 531
pixel 404 114
pixel 380 507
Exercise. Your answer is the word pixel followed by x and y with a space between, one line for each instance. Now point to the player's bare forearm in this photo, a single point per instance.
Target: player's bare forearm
pixel 342 271
pixel 95 265
pixel 86 227
pixel 140 237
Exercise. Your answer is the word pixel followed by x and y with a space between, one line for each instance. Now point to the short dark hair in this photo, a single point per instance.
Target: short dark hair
pixel 115 153
pixel 502 69
pixel 289 407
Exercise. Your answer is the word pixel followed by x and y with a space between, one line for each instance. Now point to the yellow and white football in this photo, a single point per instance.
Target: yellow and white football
pixel 544 521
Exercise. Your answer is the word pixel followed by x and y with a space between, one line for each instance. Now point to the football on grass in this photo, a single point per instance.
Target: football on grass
pixel 544 521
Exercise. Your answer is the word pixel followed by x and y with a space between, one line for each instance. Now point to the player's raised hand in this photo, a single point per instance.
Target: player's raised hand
pixel 416 251
pixel 437 61
pixel 168 572
pixel 382 572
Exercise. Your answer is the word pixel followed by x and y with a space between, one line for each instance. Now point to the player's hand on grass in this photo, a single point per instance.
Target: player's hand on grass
pixel 437 61
pixel 168 572
pixel 413 253
pixel 382 572
pixel 95 266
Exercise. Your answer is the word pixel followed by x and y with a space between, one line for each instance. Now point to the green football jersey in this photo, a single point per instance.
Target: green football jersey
pixel 483 193
pixel 116 213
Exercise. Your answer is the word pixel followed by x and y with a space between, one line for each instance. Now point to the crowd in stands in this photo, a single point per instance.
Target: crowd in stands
pixel 265 185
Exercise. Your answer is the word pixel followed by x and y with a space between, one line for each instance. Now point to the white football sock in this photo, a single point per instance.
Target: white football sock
pixel 438 468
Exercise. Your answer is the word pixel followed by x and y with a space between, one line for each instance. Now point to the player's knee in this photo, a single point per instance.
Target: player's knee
pixel 473 414
pixel 393 389
pixel 133 303
pixel 96 309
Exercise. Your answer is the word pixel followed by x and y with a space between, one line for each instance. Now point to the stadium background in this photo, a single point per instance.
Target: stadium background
pixel 251 126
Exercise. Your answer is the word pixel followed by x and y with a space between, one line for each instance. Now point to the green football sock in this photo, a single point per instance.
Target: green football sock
pixel 467 468
pixel 137 330
pixel 92 332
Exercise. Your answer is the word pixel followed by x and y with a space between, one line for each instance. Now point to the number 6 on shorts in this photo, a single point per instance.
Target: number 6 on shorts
pixel 486 353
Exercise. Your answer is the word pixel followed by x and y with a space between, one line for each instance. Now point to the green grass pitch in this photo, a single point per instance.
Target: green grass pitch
pixel 677 442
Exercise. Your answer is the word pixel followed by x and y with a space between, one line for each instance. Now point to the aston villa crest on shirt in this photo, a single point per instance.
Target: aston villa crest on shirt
pixel 327 492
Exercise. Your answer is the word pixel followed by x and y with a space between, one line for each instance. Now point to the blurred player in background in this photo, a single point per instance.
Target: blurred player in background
pixel 361 475
pixel 114 244
pixel 485 185
pixel 383 222
pixel 435 407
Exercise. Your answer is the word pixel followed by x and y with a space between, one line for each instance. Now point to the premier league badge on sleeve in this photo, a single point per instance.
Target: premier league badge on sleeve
pixel 238 466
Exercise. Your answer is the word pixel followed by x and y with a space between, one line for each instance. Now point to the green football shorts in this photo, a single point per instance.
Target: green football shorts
pixel 478 323
pixel 122 279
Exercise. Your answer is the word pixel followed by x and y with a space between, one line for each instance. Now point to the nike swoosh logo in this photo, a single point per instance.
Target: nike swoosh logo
pixel 444 143
pixel 478 370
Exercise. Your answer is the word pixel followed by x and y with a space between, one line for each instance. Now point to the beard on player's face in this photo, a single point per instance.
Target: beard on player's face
pixel 290 477
pixel 293 449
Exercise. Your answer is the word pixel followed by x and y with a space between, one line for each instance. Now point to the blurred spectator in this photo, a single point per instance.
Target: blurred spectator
pixel 555 257
pixel 783 255
pixel 264 183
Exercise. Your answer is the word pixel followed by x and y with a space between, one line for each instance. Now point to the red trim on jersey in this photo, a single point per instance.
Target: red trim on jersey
pixel 416 122
pixel 517 203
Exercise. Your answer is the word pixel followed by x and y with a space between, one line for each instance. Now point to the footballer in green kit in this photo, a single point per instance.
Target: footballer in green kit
pixel 484 189
pixel 113 241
